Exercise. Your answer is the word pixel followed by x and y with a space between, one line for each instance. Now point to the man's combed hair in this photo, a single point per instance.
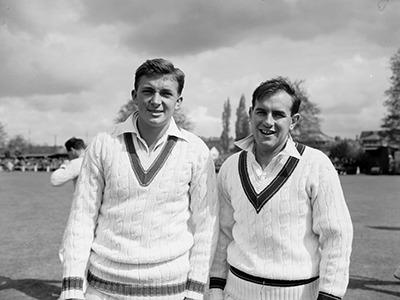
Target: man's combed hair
pixel 74 143
pixel 275 85
pixel 159 66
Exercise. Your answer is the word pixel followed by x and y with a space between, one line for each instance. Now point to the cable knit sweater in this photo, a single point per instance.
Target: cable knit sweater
pixel 304 230
pixel 151 239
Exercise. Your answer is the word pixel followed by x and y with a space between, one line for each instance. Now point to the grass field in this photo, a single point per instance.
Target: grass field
pixel 33 215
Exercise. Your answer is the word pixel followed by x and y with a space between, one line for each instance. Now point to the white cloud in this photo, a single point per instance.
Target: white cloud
pixel 205 124
pixel 68 66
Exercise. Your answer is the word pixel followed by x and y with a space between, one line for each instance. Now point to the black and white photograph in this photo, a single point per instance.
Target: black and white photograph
pixel 199 150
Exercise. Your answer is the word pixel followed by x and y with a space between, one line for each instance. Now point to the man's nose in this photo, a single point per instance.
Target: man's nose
pixel 268 120
pixel 156 99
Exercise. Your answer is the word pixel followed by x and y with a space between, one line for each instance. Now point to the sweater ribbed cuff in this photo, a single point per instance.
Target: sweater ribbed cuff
pixel 217 283
pixel 72 287
pixel 195 289
pixel 326 296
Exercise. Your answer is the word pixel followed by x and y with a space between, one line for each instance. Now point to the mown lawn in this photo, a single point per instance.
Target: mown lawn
pixel 33 215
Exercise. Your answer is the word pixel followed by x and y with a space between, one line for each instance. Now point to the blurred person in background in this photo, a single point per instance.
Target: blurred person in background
pixel 69 170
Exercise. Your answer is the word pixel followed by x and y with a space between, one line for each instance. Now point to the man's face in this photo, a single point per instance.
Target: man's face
pixel 271 120
pixel 72 154
pixel 157 99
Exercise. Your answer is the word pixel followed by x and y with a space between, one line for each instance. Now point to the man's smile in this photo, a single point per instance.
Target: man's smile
pixel 155 111
pixel 267 132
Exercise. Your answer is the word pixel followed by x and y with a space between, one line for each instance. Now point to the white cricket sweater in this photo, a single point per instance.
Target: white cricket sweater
pixel 152 240
pixel 303 231
pixel 67 171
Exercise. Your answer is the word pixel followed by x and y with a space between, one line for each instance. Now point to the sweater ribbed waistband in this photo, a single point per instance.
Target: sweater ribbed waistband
pixel 268 281
pixel 135 290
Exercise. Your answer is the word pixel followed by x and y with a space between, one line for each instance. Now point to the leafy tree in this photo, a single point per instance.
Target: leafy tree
pixel 242 120
pixel 182 120
pixel 129 107
pixel 310 121
pixel 346 150
pixel 347 155
pixel 18 145
pixel 124 111
pixel 226 117
pixel 392 119
pixel 3 136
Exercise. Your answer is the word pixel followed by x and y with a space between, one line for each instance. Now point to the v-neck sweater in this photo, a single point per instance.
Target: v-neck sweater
pixel 304 230
pixel 152 240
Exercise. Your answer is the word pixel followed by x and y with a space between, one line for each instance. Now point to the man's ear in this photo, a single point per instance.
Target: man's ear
pixel 250 111
pixel 295 120
pixel 133 94
pixel 178 103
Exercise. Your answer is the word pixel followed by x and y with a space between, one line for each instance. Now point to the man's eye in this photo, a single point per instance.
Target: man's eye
pixel 166 94
pixel 279 115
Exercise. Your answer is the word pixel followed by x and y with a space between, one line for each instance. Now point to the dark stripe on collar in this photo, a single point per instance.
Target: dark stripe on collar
pixel 259 200
pixel 300 148
pixel 146 177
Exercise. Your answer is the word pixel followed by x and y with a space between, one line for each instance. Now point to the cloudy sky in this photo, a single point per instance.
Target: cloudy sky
pixel 67 66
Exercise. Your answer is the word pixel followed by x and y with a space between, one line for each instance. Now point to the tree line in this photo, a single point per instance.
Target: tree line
pixel 309 123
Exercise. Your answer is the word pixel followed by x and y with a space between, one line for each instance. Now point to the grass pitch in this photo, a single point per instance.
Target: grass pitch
pixel 33 215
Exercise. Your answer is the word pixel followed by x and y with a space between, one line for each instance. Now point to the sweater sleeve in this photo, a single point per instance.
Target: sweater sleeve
pixel 220 267
pixel 204 223
pixel 79 233
pixel 66 172
pixel 332 223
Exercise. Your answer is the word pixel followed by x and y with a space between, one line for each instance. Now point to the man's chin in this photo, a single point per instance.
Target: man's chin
pixel 267 144
pixel 157 122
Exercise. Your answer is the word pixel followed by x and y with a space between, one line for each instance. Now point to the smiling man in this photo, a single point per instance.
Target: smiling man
pixel 143 222
pixel 285 230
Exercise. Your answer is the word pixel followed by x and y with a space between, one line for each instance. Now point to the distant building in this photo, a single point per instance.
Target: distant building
pixel 318 140
pixel 382 153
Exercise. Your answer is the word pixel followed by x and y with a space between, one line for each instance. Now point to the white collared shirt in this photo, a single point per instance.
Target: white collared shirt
pixel 247 144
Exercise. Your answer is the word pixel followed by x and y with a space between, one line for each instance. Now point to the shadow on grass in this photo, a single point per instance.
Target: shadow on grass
pixel 372 284
pixel 35 288
pixel 391 228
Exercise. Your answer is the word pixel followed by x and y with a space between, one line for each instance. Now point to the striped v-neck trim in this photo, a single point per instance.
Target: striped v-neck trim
pixel 146 177
pixel 259 200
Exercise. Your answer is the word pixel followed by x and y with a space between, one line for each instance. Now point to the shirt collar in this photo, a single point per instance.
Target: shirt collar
pixel 130 125
pixel 290 149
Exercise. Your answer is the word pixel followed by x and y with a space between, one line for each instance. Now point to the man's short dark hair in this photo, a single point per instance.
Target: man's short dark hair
pixel 159 66
pixel 275 85
pixel 74 143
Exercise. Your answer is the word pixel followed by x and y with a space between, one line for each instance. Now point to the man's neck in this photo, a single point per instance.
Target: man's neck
pixel 264 156
pixel 151 134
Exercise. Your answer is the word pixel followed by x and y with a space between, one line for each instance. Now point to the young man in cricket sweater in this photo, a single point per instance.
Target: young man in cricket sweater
pixel 285 229
pixel 143 222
